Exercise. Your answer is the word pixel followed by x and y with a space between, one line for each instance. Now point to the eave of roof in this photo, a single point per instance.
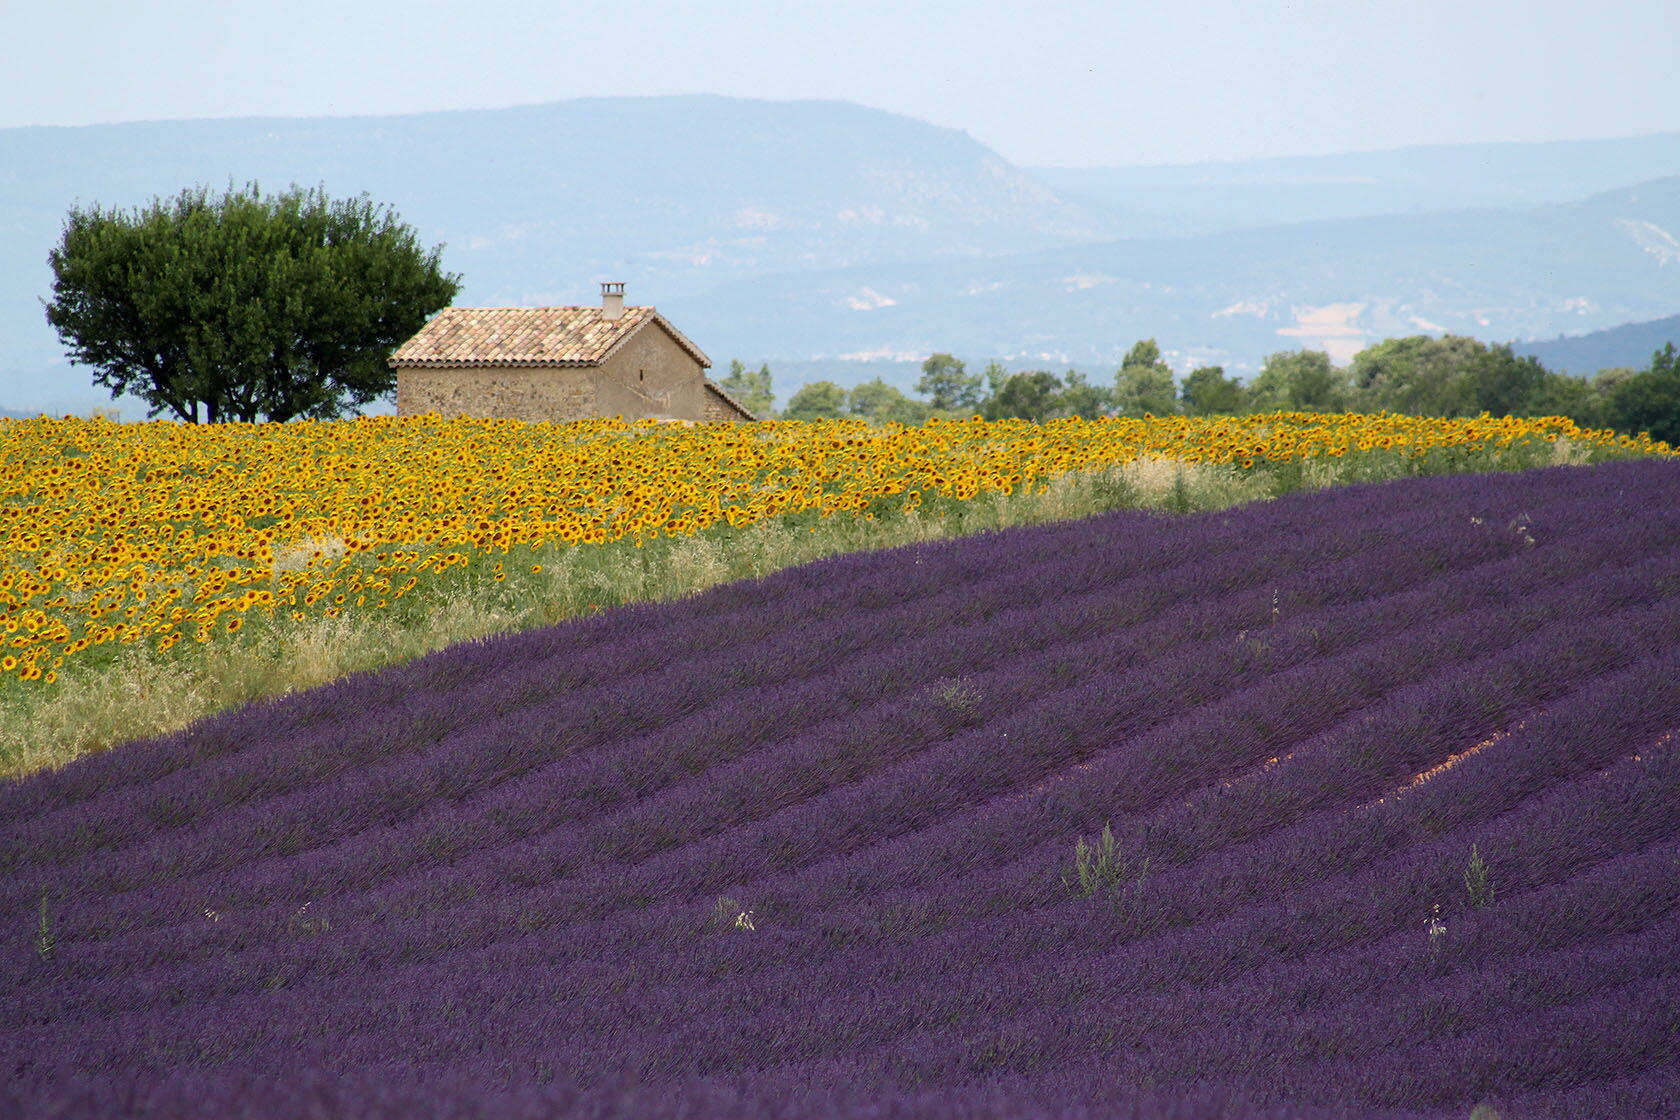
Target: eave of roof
pixel 739 407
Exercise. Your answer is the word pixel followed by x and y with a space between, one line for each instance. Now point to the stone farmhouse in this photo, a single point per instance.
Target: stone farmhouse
pixel 559 363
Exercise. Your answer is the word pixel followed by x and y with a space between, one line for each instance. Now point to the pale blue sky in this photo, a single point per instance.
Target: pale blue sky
pixel 1070 82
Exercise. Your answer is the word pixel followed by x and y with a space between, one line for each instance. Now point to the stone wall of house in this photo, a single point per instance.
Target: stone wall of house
pixel 651 375
pixel 566 393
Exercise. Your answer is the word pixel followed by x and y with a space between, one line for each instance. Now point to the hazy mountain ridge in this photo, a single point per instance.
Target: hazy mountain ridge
pixel 1629 346
pixel 653 184
pixel 1233 297
pixel 819 230
pixel 1207 197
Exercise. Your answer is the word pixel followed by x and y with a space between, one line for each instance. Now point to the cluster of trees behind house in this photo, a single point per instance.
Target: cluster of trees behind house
pixel 1420 376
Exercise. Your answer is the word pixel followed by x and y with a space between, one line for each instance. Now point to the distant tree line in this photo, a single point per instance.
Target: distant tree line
pixel 1419 376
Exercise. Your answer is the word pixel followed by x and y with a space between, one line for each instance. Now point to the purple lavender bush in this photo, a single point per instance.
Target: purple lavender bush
pixel 1359 803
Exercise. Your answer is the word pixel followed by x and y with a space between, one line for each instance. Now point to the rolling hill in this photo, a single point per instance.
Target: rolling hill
pixel 1629 346
pixel 1234 297
pixel 1243 193
pixel 832 841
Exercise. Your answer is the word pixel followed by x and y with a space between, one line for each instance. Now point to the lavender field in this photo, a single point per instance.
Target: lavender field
pixel 1389 776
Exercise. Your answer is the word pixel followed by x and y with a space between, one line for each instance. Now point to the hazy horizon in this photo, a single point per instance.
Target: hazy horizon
pixel 1165 163
pixel 1082 84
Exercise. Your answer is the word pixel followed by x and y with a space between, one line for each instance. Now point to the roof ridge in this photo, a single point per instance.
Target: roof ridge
pixel 550 307
pixel 565 335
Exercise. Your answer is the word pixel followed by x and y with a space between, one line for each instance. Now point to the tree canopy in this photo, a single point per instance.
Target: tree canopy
pixel 1208 392
pixel 1144 384
pixel 1025 396
pixel 819 400
pixel 1420 375
pixel 948 387
pixel 243 306
pixel 750 387
pixel 880 403
pixel 1650 401
pixel 1082 399
pixel 1299 381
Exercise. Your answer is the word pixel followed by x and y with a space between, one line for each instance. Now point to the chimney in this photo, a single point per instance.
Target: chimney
pixel 612 301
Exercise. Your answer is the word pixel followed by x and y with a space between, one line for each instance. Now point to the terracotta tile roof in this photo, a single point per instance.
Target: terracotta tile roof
pixel 528 336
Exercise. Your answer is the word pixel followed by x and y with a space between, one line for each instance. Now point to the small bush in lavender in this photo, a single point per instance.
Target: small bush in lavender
pixel 1476 880
pixel 728 914
pixel 959 694
pixel 1103 867
pixel 303 921
pixel 45 941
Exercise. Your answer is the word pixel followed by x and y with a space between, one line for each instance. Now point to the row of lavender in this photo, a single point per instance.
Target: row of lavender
pixel 501 869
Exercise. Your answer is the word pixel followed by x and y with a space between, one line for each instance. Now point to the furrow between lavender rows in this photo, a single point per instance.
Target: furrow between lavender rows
pixel 1595 725
pixel 1260 1026
pixel 1298 697
pixel 1018 822
pixel 497 1010
pixel 1388 962
pixel 1053 945
pixel 1636 1024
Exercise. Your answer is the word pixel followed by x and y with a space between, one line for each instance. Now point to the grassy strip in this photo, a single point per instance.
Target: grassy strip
pixel 126 692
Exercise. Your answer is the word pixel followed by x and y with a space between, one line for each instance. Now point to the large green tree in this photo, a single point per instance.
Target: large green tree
pixel 996 376
pixel 1145 352
pixel 243 306
pixel 1417 375
pixel 1458 376
pixel 1503 384
pixel 1561 394
pixel 1081 398
pixel 1025 396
